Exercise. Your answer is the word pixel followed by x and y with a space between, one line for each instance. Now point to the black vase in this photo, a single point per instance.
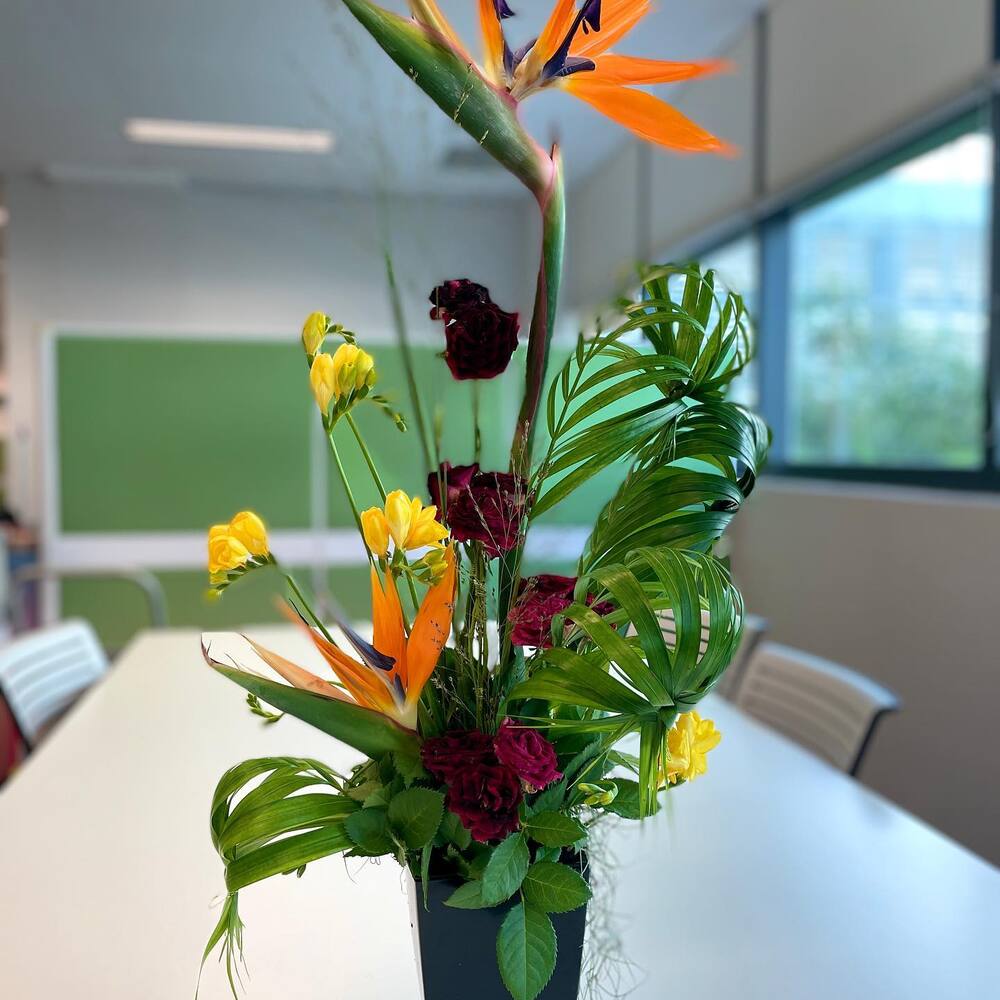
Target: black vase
pixel 457 949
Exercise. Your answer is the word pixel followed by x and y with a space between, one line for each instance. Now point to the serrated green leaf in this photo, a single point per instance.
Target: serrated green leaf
pixel 555 888
pixel 551 798
pixel 453 831
pixel 505 869
pixel 526 951
pixel 409 764
pixel 369 829
pixel 553 829
pixel 415 814
pixel 468 897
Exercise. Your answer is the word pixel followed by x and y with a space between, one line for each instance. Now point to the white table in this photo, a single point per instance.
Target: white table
pixel 772 877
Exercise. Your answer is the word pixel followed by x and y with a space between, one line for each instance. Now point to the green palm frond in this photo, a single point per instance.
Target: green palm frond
pixel 613 402
pixel 276 827
pixel 639 682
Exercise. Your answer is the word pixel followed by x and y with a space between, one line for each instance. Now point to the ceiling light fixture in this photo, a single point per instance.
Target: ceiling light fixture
pixel 212 135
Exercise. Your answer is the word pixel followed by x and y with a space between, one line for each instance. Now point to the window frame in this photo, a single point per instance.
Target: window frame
pixel 770 227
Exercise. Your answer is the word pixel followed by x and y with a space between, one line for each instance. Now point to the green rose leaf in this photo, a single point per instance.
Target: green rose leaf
pixel 453 831
pixel 526 951
pixel 553 829
pixel 554 888
pixel 467 897
pixel 369 829
pixel 409 765
pixel 505 869
pixel 551 798
pixel 415 814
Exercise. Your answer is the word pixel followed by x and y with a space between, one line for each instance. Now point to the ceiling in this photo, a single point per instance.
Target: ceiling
pixel 71 73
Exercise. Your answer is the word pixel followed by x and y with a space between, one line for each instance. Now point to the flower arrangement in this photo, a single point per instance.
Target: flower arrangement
pixel 496 713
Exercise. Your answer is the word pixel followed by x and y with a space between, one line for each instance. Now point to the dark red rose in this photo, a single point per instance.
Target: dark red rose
pixel 455 478
pixel 456 293
pixel 539 599
pixel 485 797
pixel 527 753
pixel 448 755
pixel 490 511
pixel 480 337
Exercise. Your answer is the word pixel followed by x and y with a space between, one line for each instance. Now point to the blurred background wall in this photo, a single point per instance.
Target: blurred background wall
pixel 853 548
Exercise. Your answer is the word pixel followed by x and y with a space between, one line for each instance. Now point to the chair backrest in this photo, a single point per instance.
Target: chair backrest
pixel 754 629
pixel 823 706
pixel 43 672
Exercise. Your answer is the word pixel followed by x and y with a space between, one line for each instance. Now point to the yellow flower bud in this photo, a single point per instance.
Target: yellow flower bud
pixel 224 551
pixel 376 531
pixel 314 331
pixel 345 361
pixel 435 562
pixel 364 371
pixel 322 378
pixel 398 514
pixel 246 527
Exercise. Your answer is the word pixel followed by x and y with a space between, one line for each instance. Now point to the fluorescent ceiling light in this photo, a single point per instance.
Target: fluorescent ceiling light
pixel 211 135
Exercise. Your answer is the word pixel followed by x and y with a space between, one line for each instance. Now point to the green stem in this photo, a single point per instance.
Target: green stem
pixel 381 489
pixel 349 492
pixel 399 318
pixel 367 456
pixel 477 434
pixel 296 590
pixel 543 317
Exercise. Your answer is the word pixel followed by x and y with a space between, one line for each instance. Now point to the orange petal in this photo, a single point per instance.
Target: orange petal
pixel 618 18
pixel 430 630
pixel 489 25
pixel 559 22
pixel 356 677
pixel 389 635
pixel 630 69
pixel 295 675
pixel 645 115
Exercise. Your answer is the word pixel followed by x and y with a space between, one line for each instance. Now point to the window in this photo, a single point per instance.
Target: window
pixel 737 265
pixel 888 311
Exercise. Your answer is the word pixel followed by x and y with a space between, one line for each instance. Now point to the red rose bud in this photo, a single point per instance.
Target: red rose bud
pixel 447 756
pixel 490 511
pixel 528 754
pixel 480 337
pixel 485 797
pixel 540 598
pixel 455 478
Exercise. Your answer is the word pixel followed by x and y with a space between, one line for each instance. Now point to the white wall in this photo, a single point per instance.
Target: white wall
pixel 207 261
pixel 902 585
pixel 843 73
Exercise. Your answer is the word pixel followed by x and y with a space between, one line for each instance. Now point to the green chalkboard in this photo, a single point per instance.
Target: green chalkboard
pixel 168 434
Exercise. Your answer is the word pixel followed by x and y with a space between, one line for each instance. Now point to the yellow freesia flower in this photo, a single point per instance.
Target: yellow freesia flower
pixel 376 531
pixel 322 379
pixel 688 743
pixel 224 551
pixel 248 528
pixel 314 332
pixel 352 369
pixel 411 524
pixel 232 545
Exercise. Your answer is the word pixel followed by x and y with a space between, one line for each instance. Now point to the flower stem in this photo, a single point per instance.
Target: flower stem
pixel 376 478
pixel 543 317
pixel 381 490
pixel 349 492
pixel 296 590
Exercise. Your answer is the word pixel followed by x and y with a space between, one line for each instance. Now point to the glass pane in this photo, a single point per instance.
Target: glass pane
pixel 888 319
pixel 737 265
